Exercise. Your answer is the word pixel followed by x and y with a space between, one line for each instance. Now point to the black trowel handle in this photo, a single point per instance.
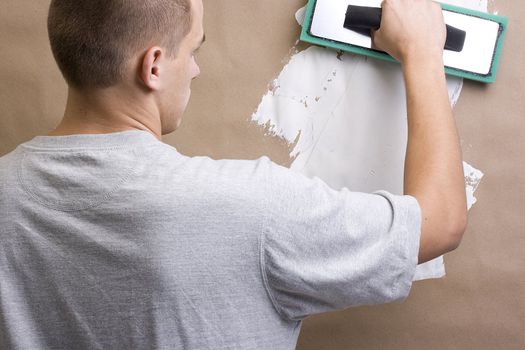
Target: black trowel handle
pixel 363 19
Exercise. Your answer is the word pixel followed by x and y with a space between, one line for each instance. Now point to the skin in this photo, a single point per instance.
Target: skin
pixel 152 97
pixel 156 91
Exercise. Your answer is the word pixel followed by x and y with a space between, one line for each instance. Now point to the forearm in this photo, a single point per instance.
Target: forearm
pixel 433 167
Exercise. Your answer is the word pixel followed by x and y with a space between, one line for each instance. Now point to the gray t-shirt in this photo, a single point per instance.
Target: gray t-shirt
pixel 118 241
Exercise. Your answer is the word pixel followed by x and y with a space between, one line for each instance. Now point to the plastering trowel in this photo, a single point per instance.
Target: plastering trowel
pixel 474 39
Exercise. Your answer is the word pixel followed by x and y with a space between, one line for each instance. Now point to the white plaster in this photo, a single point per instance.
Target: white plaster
pixel 473 178
pixel 349 113
pixel 300 15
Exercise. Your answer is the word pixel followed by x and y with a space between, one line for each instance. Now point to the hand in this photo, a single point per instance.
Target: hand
pixel 411 30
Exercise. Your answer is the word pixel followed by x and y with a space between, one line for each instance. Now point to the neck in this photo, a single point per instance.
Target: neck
pixel 107 111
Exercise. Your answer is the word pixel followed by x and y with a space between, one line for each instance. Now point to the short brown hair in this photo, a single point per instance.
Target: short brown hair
pixel 92 39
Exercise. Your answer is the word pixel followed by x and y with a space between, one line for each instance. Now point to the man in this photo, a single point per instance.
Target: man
pixel 112 239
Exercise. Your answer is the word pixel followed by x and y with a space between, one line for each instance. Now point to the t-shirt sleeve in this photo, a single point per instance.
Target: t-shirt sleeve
pixel 323 250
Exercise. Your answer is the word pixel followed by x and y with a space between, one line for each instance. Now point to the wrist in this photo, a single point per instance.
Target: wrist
pixel 423 64
pixel 425 58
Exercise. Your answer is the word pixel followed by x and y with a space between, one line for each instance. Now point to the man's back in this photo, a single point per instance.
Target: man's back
pixel 129 246
pixel 117 241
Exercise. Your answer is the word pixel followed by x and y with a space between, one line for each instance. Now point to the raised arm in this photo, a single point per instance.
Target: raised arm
pixel 413 32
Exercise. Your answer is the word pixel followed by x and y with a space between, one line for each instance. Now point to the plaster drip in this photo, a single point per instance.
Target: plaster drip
pixel 347 115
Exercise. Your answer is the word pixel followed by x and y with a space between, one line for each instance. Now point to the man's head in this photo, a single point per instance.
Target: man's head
pixel 144 44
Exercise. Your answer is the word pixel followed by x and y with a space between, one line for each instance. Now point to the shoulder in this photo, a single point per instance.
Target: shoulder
pixel 242 180
pixel 260 172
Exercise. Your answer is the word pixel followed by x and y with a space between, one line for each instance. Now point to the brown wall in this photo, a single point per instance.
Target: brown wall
pixel 479 305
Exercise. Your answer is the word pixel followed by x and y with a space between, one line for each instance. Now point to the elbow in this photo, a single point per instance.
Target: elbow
pixel 456 230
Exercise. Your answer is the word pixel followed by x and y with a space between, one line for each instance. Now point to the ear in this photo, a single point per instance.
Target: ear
pixel 151 67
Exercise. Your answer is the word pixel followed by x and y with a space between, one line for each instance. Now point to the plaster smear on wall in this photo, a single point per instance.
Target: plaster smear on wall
pixel 348 115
